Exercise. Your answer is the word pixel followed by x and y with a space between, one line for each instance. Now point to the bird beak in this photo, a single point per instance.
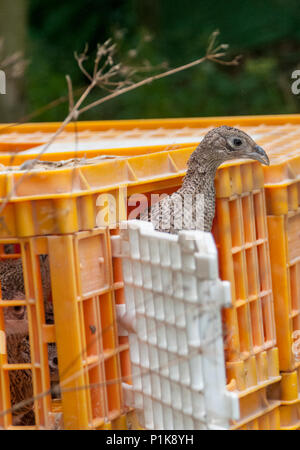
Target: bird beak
pixel 260 155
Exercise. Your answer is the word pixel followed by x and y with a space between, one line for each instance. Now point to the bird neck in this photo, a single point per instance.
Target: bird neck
pixel 200 175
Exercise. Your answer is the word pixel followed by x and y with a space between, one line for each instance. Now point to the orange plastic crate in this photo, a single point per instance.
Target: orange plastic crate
pixel 126 137
pixel 285 265
pixel 254 368
pixel 240 232
pixel 84 332
pixel 64 202
pixel 282 187
pixel 241 235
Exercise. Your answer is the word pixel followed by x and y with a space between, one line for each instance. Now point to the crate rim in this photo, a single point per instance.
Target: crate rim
pixel 271 119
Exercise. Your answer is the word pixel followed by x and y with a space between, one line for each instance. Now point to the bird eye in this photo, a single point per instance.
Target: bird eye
pixel 19 311
pixel 18 308
pixel 55 361
pixel 237 142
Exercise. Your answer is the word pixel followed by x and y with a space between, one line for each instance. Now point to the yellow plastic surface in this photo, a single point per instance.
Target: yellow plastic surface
pixel 283 207
pixel 268 420
pixel 241 235
pixel 133 137
pixel 288 391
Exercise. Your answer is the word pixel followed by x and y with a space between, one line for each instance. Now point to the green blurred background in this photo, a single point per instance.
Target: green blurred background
pixel 266 33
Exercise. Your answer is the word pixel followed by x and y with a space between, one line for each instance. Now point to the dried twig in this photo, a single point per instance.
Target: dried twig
pixel 70 92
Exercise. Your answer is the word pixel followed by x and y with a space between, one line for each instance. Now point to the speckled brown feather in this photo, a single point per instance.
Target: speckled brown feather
pixel 21 388
pixel 18 351
pixel 16 325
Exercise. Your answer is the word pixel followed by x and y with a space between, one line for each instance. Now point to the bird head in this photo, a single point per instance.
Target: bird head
pixel 226 143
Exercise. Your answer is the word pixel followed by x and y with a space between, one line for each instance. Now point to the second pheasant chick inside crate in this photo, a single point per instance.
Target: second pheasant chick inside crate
pixel 27 365
pixel 174 296
pixel 82 291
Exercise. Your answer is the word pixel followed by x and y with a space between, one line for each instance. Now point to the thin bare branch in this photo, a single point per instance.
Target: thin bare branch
pixel 211 41
pixel 80 60
pixel 70 92
pixel 149 80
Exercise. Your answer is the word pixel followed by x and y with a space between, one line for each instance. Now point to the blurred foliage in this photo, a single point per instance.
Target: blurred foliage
pixel 266 33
